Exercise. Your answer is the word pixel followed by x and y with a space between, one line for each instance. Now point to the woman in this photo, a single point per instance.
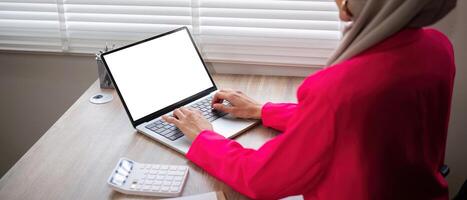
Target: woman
pixel 373 125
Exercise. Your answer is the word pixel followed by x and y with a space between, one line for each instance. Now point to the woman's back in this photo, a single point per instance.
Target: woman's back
pixel 392 106
pixel 372 127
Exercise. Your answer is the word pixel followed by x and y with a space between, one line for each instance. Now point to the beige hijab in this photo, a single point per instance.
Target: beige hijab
pixel 376 20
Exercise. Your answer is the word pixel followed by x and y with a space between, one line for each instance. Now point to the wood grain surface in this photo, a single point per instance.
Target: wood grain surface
pixel 74 158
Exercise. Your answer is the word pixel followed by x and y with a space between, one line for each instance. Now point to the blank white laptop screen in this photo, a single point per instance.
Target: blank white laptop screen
pixel 158 73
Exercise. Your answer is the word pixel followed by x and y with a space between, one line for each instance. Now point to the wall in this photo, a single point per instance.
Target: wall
pixel 35 90
pixel 454 25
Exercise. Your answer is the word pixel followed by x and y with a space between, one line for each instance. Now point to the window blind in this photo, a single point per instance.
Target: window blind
pixel 301 33
pixel 265 32
pixel 30 25
pixel 91 24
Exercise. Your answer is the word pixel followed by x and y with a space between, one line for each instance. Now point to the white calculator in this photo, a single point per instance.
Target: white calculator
pixel 130 177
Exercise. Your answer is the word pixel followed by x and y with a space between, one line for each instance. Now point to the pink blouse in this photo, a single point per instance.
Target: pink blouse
pixel 371 127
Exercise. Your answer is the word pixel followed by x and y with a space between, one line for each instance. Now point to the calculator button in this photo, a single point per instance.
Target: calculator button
pixel 122 172
pixel 176 173
pixel 146 187
pixel 160 177
pixel 118 179
pixel 167 183
pixel 164 167
pixel 151 177
pixel 176 183
pixel 181 168
pixel 156 188
pixel 169 177
pixel 173 168
pixel 162 172
pixel 148 182
pixel 116 182
pixel 157 182
pixel 126 165
pixel 178 178
pixel 174 189
pixel 165 188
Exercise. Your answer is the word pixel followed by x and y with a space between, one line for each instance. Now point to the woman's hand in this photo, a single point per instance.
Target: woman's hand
pixel 191 122
pixel 241 106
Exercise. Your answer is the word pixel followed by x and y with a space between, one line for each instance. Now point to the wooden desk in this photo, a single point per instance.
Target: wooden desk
pixel 73 159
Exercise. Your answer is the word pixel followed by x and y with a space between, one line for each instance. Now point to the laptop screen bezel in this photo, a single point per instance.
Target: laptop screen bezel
pixel 173 106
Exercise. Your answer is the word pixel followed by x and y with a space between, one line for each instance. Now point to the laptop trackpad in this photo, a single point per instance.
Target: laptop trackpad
pixel 229 126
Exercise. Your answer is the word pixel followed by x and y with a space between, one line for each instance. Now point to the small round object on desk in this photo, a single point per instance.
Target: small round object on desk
pixel 101 98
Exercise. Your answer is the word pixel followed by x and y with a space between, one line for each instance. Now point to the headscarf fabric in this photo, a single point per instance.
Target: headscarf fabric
pixel 375 20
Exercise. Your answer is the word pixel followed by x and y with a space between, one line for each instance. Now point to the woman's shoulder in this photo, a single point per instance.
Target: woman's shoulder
pixel 408 56
pixel 329 81
pixel 439 39
pixel 433 32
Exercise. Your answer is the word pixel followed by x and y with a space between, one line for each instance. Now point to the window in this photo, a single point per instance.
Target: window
pixel 262 32
pixel 90 24
pixel 268 32
pixel 30 25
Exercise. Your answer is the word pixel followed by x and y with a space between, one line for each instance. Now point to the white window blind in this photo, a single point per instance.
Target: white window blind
pixel 265 32
pixel 93 23
pixel 301 33
pixel 29 25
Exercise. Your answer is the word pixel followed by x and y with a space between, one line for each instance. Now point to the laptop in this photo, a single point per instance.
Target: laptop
pixel 155 76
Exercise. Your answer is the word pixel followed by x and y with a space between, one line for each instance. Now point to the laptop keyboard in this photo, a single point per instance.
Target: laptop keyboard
pixel 171 132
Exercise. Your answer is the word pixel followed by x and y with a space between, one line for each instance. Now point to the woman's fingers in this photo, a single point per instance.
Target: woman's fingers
pixel 217 98
pixel 194 110
pixel 171 120
pixel 179 113
pixel 221 96
pixel 222 108
pixel 190 113
pixel 185 111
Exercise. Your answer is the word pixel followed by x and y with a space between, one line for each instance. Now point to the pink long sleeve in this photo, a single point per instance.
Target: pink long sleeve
pixel 278 168
pixel 277 115
pixel 371 127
